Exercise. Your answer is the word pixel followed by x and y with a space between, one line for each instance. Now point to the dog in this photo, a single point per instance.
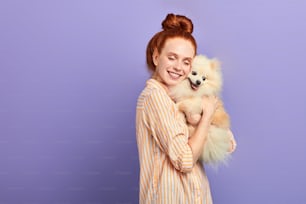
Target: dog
pixel 205 79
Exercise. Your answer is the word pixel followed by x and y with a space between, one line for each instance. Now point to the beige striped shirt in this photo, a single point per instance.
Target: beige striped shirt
pixel 167 172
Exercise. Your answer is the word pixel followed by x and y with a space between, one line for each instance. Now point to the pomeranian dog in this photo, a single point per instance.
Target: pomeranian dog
pixel 205 79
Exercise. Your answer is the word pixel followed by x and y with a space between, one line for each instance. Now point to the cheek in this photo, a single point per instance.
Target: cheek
pixel 187 70
pixel 168 63
pixel 164 65
pixel 161 68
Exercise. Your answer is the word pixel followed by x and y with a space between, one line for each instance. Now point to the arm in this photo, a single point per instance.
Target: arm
pixel 169 134
pixel 192 108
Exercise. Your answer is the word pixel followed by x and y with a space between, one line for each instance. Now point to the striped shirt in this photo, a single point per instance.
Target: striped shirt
pixel 167 172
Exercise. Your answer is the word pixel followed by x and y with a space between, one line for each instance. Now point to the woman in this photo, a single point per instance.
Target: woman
pixel 169 168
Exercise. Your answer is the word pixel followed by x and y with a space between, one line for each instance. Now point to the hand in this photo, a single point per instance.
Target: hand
pixel 209 105
pixel 193 119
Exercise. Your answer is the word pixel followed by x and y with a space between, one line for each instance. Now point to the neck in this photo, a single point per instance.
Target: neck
pixel 157 78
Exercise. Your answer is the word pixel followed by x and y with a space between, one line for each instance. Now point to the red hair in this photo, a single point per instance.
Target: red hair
pixel 174 26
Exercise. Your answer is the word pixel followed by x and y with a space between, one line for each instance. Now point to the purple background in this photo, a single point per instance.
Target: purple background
pixel 71 72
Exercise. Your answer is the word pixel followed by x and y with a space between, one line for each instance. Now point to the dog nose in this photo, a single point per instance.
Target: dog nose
pixel 198 82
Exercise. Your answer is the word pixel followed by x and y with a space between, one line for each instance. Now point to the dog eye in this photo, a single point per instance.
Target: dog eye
pixel 203 78
pixel 194 73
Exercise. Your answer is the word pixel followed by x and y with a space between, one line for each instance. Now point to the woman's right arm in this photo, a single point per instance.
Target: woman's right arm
pixel 161 120
pixel 198 139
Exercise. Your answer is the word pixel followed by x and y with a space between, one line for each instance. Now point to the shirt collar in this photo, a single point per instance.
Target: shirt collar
pixel 156 84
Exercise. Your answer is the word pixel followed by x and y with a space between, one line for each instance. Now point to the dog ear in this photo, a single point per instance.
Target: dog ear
pixel 215 64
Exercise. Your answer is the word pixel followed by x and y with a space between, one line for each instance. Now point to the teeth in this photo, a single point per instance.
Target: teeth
pixel 174 75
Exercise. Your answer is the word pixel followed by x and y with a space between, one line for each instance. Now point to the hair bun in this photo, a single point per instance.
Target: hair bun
pixel 177 22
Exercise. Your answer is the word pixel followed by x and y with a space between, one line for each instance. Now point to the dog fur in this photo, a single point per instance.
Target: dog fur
pixel 205 79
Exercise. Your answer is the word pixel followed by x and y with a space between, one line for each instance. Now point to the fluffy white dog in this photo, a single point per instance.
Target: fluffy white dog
pixel 205 79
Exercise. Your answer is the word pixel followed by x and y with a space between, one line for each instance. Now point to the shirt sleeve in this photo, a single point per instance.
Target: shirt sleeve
pixel 168 133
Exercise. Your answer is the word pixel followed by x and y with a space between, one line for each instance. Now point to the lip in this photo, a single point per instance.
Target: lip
pixel 174 75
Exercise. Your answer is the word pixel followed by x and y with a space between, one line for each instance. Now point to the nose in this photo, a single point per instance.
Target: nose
pixel 178 66
pixel 198 82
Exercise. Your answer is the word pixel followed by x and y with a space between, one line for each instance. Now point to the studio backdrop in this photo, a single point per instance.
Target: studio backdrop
pixel 71 72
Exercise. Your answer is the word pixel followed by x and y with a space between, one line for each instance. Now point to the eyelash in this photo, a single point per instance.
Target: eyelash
pixel 171 58
pixel 187 63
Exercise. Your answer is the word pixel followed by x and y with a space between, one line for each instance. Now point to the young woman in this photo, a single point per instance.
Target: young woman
pixel 170 172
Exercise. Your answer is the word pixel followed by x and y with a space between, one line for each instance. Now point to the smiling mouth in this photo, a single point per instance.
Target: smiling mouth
pixel 192 85
pixel 174 75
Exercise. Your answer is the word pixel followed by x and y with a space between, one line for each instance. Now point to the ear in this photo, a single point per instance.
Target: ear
pixel 155 56
pixel 215 64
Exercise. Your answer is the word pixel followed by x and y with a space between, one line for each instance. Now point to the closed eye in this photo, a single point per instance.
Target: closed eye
pixel 187 62
pixel 171 57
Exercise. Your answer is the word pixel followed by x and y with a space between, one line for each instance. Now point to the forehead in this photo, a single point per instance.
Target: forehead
pixel 179 46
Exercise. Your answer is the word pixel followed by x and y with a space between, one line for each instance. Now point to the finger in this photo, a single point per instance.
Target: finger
pixel 214 98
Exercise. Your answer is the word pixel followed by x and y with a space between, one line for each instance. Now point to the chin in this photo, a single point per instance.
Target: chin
pixel 175 82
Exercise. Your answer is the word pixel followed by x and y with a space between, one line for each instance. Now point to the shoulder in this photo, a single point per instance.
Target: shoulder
pixel 154 92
